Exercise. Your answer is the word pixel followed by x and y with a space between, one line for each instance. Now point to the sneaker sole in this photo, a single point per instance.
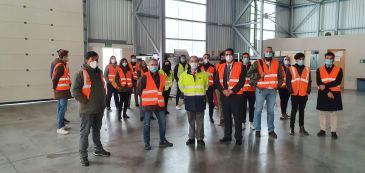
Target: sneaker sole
pixel 101 155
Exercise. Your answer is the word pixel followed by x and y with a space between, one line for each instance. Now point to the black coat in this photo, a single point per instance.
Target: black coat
pixel 324 103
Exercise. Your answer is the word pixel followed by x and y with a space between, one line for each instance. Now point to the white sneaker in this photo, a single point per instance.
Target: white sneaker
pixel 252 126
pixel 62 131
pixel 178 107
pixel 243 126
pixel 66 127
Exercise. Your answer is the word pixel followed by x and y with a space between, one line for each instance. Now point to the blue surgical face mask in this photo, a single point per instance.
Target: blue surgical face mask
pixel 328 62
pixel 269 55
pixel 300 62
pixel 153 69
pixel 245 61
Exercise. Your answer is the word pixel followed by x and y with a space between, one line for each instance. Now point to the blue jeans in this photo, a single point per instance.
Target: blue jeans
pixel 61 110
pixel 261 95
pixel 161 123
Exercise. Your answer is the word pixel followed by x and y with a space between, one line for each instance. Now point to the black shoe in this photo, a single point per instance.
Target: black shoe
pixel 108 109
pixel 141 119
pixel 190 142
pixel 284 116
pixel 321 133
pixel 125 116
pixel 211 120
pixel 153 118
pixel 303 131
pixel 273 135
pixel 292 131
pixel 258 134
pixel 201 143
pixel 167 112
pixel 66 121
pixel 84 161
pixel 137 105
pixel 166 143
pixel 334 135
pixel 102 153
pixel 225 139
pixel 239 142
pixel 147 147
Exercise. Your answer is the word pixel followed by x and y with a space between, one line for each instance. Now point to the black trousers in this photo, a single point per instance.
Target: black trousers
pixel 124 97
pixel 298 102
pixel 250 98
pixel 111 91
pixel 178 93
pixel 284 99
pixel 210 98
pixel 232 105
pixel 166 95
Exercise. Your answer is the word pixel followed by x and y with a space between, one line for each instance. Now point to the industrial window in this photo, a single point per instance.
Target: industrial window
pixel 185 26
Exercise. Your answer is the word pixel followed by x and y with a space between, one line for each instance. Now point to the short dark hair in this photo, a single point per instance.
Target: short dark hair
pixel 207 55
pixel 246 54
pixel 228 49
pixel 62 53
pixel 221 54
pixel 133 56
pixel 329 54
pixel 182 56
pixel 299 55
pixel 269 47
pixel 90 54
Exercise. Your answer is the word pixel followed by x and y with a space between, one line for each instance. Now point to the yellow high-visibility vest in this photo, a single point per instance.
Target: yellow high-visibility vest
pixel 193 87
pixel 169 79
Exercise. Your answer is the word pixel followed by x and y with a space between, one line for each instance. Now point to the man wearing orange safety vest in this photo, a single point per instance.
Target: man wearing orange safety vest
pixel 298 82
pixel 229 80
pixel 61 87
pixel 329 101
pixel 134 66
pixel 89 91
pixel 210 70
pixel 248 94
pixel 109 75
pixel 266 75
pixel 150 88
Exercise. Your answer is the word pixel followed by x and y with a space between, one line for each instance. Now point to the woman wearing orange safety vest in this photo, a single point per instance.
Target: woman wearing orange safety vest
pixel 210 70
pixel 298 82
pixel 109 75
pixel 123 80
pixel 283 90
pixel 248 94
pixel 134 66
pixel 61 86
pixel 329 101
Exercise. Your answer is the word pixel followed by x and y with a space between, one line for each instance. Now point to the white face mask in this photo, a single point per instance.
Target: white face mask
pixel 113 61
pixel 245 61
pixel 194 65
pixel 229 58
pixel 133 60
pixel 206 61
pixel 286 62
pixel 94 64
pixel 124 64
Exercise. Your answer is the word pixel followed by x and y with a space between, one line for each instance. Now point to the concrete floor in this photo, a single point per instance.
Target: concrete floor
pixel 29 144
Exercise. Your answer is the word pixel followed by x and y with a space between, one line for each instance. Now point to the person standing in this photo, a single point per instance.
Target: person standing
pixel 150 88
pixel 89 91
pixel 266 75
pixel 218 93
pixel 298 82
pixel 329 101
pixel 194 83
pixel 229 80
pixel 169 75
pixel 178 70
pixel 283 90
pixel 123 80
pixel 61 84
pixel 109 75
pixel 248 94
pixel 210 70
pixel 134 66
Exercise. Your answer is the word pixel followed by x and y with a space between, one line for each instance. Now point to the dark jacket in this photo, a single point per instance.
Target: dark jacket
pixel 176 69
pixel 289 78
pixel 237 87
pixel 58 74
pixel 323 102
pixel 96 103
pixel 254 74
pixel 142 85
pixel 121 88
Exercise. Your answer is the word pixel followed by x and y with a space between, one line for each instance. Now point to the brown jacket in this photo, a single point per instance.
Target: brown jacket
pixel 58 74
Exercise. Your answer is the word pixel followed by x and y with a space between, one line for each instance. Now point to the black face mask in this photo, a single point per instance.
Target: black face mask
pixel 166 67
pixel 268 58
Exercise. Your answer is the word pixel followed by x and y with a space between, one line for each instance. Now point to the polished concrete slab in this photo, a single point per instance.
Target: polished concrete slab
pixel 29 144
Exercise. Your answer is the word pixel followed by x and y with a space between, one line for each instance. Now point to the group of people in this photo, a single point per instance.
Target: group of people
pixel 236 84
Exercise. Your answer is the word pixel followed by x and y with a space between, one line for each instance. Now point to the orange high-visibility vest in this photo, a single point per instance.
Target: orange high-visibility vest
pixel 134 70
pixel 151 95
pixel 112 71
pixel 327 78
pixel 125 79
pixel 283 85
pixel 247 86
pixel 86 88
pixel 64 83
pixel 270 80
pixel 210 72
pixel 299 82
pixel 234 76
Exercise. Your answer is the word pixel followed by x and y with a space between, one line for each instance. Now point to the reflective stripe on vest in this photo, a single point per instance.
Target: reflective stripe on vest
pixel 283 85
pixel 134 70
pixel 86 88
pixel 191 86
pixel 247 86
pixel 327 78
pixel 111 72
pixel 124 79
pixel 299 82
pixel 210 72
pixel 169 79
pixel 270 80
pixel 234 76
pixel 64 83
pixel 151 96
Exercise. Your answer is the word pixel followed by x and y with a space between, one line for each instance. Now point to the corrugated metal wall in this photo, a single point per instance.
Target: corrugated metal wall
pixel 239 44
pixel 111 20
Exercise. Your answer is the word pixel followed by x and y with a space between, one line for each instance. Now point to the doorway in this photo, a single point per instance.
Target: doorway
pixel 108 52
